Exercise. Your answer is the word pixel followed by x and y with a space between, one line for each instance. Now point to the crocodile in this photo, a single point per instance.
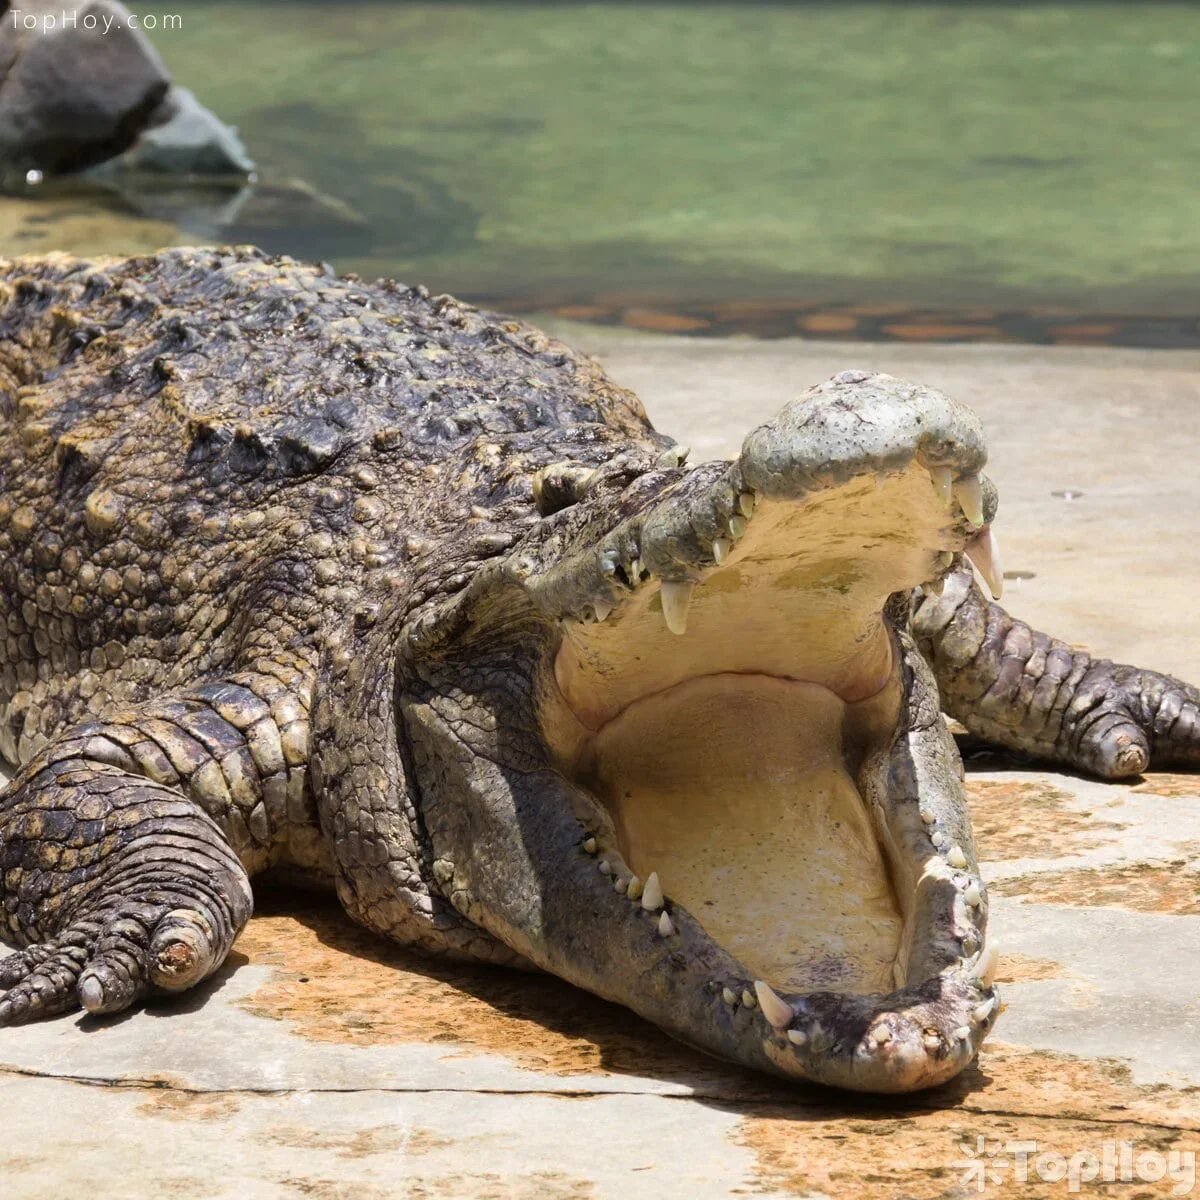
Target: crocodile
pixel 305 577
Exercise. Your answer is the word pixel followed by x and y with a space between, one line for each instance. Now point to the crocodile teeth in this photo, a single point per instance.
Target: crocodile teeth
pixel 878 1037
pixel 603 609
pixel 986 964
pixel 797 1037
pixel 777 1011
pixel 984 552
pixel 973 896
pixel 737 526
pixel 748 999
pixel 665 927
pixel 589 845
pixel 746 504
pixel 943 480
pixel 620 884
pixel 635 571
pixel 956 858
pixel 981 1012
pixel 962 1033
pixel 727 994
pixel 675 600
pixel 970 498
pixel 634 890
pixel 720 549
pixel 652 893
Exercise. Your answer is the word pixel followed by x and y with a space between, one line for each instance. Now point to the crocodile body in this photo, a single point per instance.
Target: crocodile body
pixel 301 574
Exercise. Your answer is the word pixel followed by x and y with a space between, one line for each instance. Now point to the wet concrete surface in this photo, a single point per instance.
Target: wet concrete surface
pixel 323 1062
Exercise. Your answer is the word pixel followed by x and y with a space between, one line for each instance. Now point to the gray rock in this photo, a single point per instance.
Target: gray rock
pixel 184 138
pixel 73 94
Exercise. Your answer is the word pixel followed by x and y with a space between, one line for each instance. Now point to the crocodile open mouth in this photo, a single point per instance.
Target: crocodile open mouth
pixel 724 725
pixel 739 727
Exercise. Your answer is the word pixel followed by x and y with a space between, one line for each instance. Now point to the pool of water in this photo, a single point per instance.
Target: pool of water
pixel 696 157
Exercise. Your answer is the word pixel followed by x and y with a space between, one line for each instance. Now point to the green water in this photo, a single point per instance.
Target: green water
pixel 978 154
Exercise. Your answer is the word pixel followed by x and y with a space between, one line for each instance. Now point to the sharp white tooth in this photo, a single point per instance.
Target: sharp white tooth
pixel 938 838
pixel 962 1033
pixel 720 549
pixel 984 551
pixel 620 884
pixel 956 858
pixel 927 815
pixel 973 896
pixel 943 480
pixel 932 1041
pixel 652 894
pixel 634 890
pixel 746 504
pixel 635 570
pixel 986 964
pixel 797 1037
pixel 777 1011
pixel 605 869
pixel 737 526
pixel 970 498
pixel 945 558
pixel 603 609
pixel 727 994
pixel 589 846
pixel 675 600
pixel 981 1012
pixel 665 927
pixel 748 998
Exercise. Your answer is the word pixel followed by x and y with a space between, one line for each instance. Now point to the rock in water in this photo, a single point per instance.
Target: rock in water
pixel 76 87
pixel 184 138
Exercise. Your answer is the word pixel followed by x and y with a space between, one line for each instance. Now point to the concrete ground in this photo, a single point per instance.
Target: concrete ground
pixel 322 1062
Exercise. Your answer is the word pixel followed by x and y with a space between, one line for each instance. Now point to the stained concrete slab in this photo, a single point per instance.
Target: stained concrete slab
pixel 323 1062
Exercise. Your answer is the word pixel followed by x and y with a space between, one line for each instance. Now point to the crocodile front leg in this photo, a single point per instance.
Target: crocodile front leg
pixel 114 884
pixel 126 843
pixel 1026 691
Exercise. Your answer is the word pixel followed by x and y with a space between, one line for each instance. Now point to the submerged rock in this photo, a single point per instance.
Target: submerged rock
pixel 84 212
